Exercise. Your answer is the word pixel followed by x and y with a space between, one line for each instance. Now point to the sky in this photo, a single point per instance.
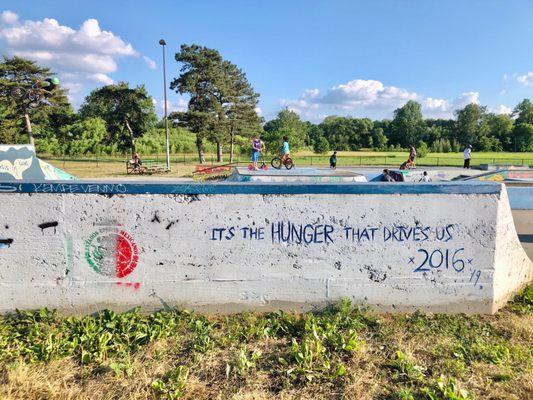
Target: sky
pixel 318 58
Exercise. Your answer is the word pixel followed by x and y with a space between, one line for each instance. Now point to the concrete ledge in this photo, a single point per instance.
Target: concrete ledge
pixel 79 247
pixel 114 187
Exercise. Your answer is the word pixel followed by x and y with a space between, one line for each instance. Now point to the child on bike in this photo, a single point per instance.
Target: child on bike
pixel 285 151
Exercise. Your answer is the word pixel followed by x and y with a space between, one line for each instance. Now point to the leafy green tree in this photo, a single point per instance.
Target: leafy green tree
pixel 500 131
pixel 222 102
pixel 524 112
pixel 240 104
pixel 321 145
pixel 18 117
pixel 200 77
pixel 84 136
pixel 128 113
pixel 408 124
pixel 287 123
pixel 422 149
pixel 522 135
pixel 471 126
pixel 379 140
pixel 343 133
pixel 9 131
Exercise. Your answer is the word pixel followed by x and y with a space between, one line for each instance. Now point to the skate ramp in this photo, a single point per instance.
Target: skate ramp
pixel 304 174
pixel 20 163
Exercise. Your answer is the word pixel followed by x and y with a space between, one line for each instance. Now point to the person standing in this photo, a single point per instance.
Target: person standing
pixel 333 160
pixel 467 155
pixel 412 156
pixel 257 145
pixel 425 177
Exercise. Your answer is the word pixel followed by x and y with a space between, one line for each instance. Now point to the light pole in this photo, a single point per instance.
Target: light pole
pixel 163 44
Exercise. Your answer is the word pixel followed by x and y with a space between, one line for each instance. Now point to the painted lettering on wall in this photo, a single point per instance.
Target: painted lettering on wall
pixel 426 258
pixel 294 233
pixel 79 188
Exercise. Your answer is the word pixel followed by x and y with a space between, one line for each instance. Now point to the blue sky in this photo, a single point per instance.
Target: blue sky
pixel 359 58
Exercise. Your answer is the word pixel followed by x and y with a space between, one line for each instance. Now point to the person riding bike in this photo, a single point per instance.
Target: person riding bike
pixel 285 150
pixel 38 93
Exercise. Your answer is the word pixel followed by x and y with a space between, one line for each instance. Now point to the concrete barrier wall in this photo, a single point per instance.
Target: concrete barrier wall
pixel 81 247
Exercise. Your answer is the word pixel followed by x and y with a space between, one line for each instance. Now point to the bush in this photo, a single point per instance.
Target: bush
pixel 422 150
pixel 321 145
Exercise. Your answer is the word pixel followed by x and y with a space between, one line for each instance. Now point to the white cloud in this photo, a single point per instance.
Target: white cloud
pixel 360 96
pixel 505 77
pixel 353 96
pixel 151 63
pixel 502 109
pixel 258 110
pixel 101 78
pixel 82 56
pixel 526 80
pixel 435 107
pixel 179 105
pixel 8 18
pixel 465 99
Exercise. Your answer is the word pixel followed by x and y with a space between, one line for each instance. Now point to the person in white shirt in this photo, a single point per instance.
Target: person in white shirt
pixel 425 177
pixel 467 154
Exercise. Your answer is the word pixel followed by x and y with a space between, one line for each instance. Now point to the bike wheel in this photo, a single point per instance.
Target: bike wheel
pixel 276 162
pixel 289 164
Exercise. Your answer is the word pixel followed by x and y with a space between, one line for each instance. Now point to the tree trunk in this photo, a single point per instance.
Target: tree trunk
pixel 219 152
pixel 200 147
pixel 231 146
pixel 28 129
pixel 132 137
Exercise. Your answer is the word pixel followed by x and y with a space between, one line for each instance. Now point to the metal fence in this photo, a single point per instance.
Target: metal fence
pixel 318 160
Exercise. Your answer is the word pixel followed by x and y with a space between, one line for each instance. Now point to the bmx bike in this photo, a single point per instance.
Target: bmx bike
pixel 277 163
pixel 35 95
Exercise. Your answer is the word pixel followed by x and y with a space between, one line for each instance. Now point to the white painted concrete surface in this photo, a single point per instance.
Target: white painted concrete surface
pixel 85 252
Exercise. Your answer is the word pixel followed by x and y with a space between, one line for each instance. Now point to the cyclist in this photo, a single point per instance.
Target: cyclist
pixel 285 150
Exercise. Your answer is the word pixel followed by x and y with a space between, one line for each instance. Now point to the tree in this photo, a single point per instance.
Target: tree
pixel 341 132
pixel 524 112
pixel 287 123
pixel 240 106
pixel 522 136
pixel 379 140
pixel 84 136
pixel 471 126
pixel 222 102
pixel 500 130
pixel 128 113
pixel 321 145
pixel 17 72
pixel 408 124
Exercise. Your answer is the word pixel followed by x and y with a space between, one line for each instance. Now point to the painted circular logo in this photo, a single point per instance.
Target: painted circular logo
pixel 111 252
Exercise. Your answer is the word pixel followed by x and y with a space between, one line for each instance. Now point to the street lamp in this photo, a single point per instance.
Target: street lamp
pixel 163 44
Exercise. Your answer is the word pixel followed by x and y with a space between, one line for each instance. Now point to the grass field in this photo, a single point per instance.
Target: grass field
pixel 339 353
pixel 183 165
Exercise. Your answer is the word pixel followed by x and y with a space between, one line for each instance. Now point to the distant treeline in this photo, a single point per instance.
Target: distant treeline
pixel 221 117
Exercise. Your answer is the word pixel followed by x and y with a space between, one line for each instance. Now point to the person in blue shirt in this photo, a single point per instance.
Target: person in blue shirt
pixel 285 150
